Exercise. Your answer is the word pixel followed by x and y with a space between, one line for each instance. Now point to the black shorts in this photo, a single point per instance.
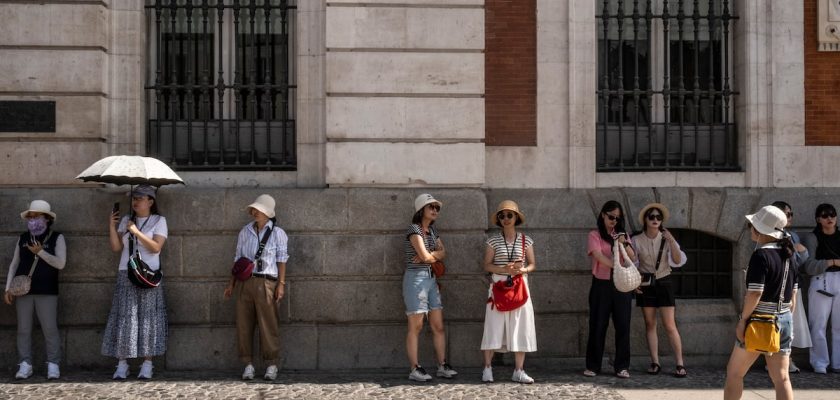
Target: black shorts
pixel 660 294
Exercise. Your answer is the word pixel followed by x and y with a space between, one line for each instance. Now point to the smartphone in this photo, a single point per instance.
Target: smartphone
pixel 824 293
pixel 116 208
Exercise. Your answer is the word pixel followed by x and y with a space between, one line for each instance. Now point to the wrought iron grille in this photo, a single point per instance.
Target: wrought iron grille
pixel 221 92
pixel 665 88
pixel 708 271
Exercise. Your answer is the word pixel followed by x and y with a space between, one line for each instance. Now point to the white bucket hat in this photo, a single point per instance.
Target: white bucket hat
pixel 424 199
pixel 769 220
pixel 264 204
pixel 38 206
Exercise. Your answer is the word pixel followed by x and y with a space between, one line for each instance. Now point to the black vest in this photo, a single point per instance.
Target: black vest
pixel 45 277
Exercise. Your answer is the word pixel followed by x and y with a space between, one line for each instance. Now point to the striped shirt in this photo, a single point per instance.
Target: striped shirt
pixel 430 241
pixel 275 250
pixel 505 252
pixel 764 274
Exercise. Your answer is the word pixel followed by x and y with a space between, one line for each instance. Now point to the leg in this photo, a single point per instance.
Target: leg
pixel 819 309
pixel 777 366
pixel 599 318
pixel 519 360
pixel 25 306
pixel 622 308
pixel 415 324
pixel 670 324
pixel 488 358
pixel 47 309
pixel 246 317
pixel 739 363
pixel 438 334
pixel 650 332
pixel 833 281
pixel 268 321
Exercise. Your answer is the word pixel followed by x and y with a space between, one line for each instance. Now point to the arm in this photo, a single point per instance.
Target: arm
pixel 232 281
pixel 114 238
pixel 282 258
pixel 12 271
pixel 423 255
pixel 58 260
pixel 750 302
pixel 440 253
pixel 153 244
pixel 489 254
pixel 601 258
pixel 530 262
pixel 281 282
pixel 812 266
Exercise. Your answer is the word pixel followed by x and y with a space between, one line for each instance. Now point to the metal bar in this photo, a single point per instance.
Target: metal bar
pixel 158 78
pixel 205 77
pixel 188 92
pixel 681 81
pixel 726 88
pixel 173 95
pixel 696 20
pixel 286 158
pixel 621 84
pixel 266 94
pixel 252 79
pixel 237 79
pixel 649 111
pixel 606 77
pixel 666 83
pixel 711 86
pixel 220 83
pixel 636 83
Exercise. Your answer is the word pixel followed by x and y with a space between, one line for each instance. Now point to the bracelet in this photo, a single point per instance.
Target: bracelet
pixel 282 283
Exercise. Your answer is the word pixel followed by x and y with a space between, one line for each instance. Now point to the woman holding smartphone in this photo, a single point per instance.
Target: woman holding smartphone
pixel 39 253
pixel 658 252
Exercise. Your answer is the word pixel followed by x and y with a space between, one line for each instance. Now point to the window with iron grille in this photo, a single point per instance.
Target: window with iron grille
pixel 707 273
pixel 665 88
pixel 221 89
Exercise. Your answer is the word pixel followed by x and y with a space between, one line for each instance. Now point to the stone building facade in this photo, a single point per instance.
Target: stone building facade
pixel 392 99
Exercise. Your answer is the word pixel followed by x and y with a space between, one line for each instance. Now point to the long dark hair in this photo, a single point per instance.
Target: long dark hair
pixel 418 216
pixel 785 242
pixel 619 225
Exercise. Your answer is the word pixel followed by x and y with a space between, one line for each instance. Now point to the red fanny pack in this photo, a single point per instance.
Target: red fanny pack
pixel 242 268
pixel 510 293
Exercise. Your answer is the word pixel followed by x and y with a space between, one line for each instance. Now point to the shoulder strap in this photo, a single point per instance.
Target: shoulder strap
pixel 264 240
pixel 524 257
pixel 659 256
pixel 782 291
pixel 35 262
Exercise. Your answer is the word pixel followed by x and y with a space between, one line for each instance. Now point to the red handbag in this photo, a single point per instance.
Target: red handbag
pixel 511 293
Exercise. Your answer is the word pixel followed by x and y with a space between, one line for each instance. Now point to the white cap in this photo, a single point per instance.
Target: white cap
pixel 264 204
pixel 769 220
pixel 424 199
pixel 38 206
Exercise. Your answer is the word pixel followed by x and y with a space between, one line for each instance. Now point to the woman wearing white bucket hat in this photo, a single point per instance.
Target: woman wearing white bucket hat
pixel 771 289
pixel 258 295
pixel 40 253
pixel 421 294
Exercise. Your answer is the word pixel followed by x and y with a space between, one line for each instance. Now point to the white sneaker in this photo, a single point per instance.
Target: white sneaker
pixel 145 370
pixel 248 374
pixel 25 370
pixel 122 371
pixel 445 371
pixel 270 373
pixel 487 374
pixel 419 374
pixel 521 377
pixel 53 371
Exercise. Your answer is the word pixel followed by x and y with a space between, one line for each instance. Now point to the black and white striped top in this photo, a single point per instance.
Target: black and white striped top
pixel 430 241
pixel 765 274
pixel 507 252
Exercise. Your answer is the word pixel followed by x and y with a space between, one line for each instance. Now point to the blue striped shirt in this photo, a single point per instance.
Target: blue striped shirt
pixel 275 250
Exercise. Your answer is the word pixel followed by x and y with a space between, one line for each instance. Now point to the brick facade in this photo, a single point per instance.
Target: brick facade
pixel 511 72
pixel 822 87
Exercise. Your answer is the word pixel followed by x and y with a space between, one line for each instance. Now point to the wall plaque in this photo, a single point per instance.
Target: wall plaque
pixel 27 116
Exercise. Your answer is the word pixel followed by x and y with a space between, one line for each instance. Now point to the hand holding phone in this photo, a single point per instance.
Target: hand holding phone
pixel 116 208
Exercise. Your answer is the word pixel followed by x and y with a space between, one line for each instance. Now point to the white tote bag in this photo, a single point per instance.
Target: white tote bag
pixel 626 276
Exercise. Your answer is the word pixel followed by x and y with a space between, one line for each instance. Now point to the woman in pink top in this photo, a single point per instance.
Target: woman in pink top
pixel 604 299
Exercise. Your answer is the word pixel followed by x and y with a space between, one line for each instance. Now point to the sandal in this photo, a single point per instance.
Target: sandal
pixel 680 372
pixel 623 374
pixel 589 373
pixel 654 369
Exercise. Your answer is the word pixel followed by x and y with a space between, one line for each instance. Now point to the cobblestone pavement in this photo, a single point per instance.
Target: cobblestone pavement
pixel 551 384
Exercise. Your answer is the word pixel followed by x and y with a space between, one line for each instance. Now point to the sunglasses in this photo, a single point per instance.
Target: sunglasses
pixel 502 215
pixel 612 217
pixel 827 215
pixel 652 217
pixel 434 207
pixel 789 214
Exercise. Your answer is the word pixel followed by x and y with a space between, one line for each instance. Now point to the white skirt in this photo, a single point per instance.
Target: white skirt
pixel 509 330
pixel 801 333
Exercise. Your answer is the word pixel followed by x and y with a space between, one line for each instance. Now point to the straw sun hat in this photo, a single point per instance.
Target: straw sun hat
pixel 508 205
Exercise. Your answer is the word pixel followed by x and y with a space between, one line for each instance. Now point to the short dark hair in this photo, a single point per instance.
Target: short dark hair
pixel 619 226
pixel 781 205
pixel 824 207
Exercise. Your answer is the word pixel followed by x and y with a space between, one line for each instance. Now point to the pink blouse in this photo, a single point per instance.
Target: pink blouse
pixel 596 243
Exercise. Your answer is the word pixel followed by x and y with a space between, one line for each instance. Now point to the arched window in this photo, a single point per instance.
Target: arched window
pixel 708 272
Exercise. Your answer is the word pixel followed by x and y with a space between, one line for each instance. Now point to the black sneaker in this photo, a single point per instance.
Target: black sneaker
pixel 445 371
pixel 419 374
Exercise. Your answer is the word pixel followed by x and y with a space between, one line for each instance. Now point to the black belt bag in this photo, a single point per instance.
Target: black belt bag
pixel 648 279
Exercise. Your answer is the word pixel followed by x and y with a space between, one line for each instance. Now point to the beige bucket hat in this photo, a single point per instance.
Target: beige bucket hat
pixel 769 220
pixel 264 204
pixel 38 206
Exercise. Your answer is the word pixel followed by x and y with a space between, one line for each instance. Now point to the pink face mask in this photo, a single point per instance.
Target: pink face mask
pixel 37 226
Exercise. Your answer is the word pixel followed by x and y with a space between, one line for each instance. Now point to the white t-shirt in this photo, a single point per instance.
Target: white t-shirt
pixel 156 226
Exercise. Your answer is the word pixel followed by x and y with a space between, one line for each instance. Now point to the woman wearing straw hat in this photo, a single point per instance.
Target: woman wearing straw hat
pixel 509 254
pixel 39 253
pixel 658 252
pixel 421 293
pixel 604 299
pixel 771 289
pixel 258 296
pixel 137 323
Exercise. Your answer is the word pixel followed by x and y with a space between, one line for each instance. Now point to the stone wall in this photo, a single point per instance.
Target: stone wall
pixel 344 306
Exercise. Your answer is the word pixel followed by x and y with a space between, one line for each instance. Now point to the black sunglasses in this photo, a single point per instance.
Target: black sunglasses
pixel 828 214
pixel 503 215
pixel 434 207
pixel 652 217
pixel 612 217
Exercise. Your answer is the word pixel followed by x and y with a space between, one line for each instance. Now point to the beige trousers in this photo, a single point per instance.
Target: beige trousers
pixel 255 306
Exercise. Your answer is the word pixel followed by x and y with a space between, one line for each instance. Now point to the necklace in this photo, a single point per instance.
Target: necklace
pixel 512 249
